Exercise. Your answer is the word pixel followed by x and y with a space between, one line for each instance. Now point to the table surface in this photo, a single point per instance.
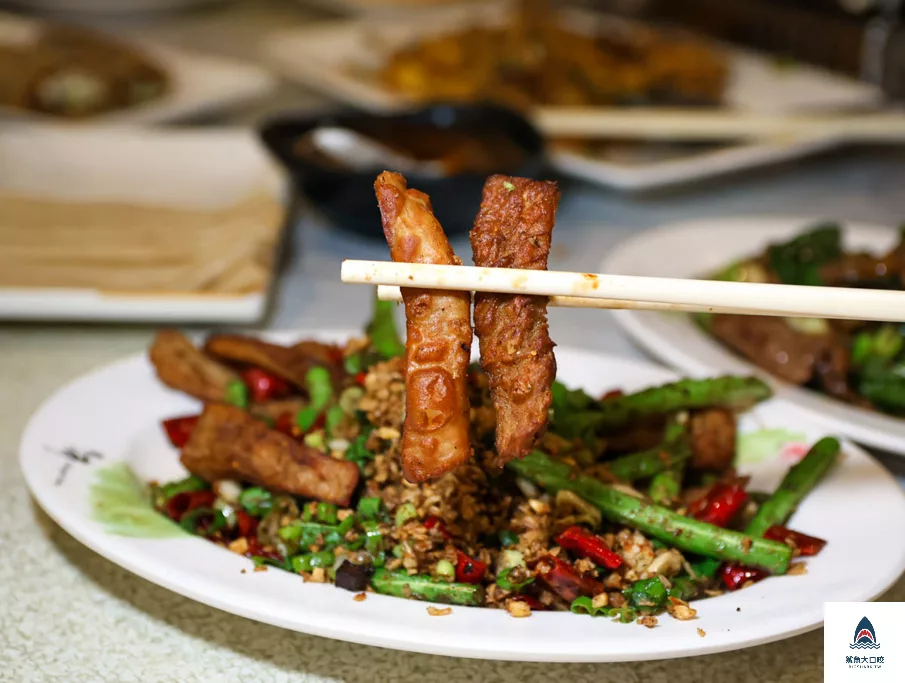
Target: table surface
pixel 65 611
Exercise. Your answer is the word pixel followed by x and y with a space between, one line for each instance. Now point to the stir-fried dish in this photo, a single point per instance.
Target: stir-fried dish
pixel 536 59
pixel 72 72
pixel 528 495
pixel 862 363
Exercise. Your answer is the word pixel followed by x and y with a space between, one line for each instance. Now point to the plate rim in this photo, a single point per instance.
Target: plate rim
pixel 119 554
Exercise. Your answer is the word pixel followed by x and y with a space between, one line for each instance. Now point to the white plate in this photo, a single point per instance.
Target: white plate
pixel 122 428
pixel 199 83
pixel 698 248
pixel 188 168
pixel 320 57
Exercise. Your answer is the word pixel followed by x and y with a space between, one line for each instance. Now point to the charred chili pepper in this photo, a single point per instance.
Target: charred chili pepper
pixel 561 578
pixel 432 521
pixel 720 504
pixel 182 503
pixel 263 386
pixel 801 544
pixel 246 525
pixel 734 575
pixel 588 545
pixel 468 569
pixel 179 429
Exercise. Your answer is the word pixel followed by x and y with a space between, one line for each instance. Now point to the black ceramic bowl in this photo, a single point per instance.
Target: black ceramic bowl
pixel 346 197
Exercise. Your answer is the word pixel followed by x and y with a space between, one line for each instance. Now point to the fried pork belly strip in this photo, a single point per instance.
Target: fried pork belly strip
pixel 513 230
pixel 438 344
pixel 181 366
pixel 228 443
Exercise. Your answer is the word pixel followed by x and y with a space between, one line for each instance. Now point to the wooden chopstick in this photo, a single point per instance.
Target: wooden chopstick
pixel 389 293
pixel 715 125
pixel 752 298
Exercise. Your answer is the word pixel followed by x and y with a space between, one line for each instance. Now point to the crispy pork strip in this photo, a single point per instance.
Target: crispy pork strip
pixel 290 363
pixel 438 344
pixel 183 367
pixel 228 443
pixel 513 230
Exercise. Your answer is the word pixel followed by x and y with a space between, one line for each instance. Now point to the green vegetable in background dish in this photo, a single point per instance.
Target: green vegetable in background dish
pixel 798 261
pixel 382 330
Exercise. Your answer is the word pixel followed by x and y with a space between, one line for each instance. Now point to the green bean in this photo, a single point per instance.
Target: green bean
pixel 420 587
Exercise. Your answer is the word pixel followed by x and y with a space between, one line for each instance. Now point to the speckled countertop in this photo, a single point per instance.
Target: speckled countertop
pixel 67 613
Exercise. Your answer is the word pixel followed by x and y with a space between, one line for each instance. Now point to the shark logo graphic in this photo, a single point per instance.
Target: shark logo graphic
pixel 865 636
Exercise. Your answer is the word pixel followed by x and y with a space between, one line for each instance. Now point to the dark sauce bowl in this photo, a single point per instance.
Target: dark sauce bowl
pixel 346 197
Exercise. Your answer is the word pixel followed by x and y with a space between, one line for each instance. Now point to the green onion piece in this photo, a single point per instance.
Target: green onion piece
pixel 335 415
pixel 305 563
pixel 326 513
pixel 382 330
pixel 308 512
pixel 190 521
pixel 369 507
pixel 191 483
pixel 511 558
pixel 405 512
pixel 256 501
pixel 315 440
pixel 502 580
pixel 508 538
pixel 237 393
pixel 398 550
pixel 348 400
pixel 647 593
pixel 445 569
pixel 584 605
pixel 346 525
pixel 358 453
pixel 306 418
pixel 320 387
pixel 352 364
pixel 373 541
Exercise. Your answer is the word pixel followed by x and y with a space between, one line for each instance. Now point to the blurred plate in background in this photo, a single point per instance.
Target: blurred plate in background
pixel 194 83
pixel 696 248
pixel 342 58
pixel 113 7
pixel 137 225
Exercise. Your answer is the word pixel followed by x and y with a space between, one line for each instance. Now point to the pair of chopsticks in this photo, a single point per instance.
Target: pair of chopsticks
pixel 598 290
pixel 715 125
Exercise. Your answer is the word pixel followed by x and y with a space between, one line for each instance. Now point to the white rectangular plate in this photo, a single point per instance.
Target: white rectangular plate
pixel 204 169
pixel 321 56
pixel 198 83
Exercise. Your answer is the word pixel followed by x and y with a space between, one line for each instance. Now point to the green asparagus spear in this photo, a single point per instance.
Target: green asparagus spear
pixel 656 521
pixel 736 393
pixel 402 585
pixel 795 486
pixel 647 463
pixel 666 486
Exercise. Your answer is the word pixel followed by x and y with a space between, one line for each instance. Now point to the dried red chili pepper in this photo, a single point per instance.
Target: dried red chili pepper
pixel 255 549
pixel 801 543
pixel 246 525
pixel 561 578
pixel 586 544
pixel 720 504
pixel 432 521
pixel 734 576
pixel 468 569
pixel 179 429
pixel 612 393
pixel 181 503
pixel 263 386
pixel 360 379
